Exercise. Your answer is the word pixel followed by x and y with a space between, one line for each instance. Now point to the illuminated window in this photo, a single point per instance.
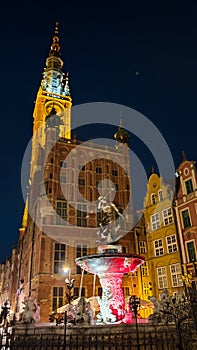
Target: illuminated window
pixel 158 247
pixel 189 186
pixel 186 218
pixel 162 277
pixel 146 288
pixel 176 279
pixel 61 210
pixel 155 221
pixel 57 297
pixel 59 257
pixel 160 195
pixel 81 250
pixel 167 216
pixel 171 244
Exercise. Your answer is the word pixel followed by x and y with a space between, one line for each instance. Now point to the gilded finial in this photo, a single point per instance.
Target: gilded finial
pixel 55 47
pixel 56 28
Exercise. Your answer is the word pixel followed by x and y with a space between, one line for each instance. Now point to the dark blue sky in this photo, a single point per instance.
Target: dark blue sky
pixel 103 45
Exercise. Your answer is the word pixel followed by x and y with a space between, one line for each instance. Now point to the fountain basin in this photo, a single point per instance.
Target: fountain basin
pixel 110 265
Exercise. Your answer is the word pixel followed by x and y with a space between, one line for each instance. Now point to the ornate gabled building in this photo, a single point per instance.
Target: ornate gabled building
pixel 163 244
pixel 58 225
pixel 185 205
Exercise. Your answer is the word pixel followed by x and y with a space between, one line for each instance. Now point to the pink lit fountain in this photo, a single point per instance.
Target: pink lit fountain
pixel 110 264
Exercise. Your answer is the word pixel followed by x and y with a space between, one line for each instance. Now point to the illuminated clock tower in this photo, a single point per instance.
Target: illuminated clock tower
pixel 54 93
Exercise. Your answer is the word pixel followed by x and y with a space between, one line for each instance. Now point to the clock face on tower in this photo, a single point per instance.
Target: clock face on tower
pixel 54 104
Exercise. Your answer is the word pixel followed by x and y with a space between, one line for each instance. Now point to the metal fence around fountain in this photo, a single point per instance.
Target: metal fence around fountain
pixel 112 341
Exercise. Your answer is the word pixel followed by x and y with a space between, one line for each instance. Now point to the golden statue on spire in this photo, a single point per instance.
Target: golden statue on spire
pixel 55 47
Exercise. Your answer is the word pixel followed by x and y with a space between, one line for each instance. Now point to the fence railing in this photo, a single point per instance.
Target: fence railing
pixel 111 341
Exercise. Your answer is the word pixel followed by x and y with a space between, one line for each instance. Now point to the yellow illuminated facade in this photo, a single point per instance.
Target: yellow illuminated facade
pixel 163 248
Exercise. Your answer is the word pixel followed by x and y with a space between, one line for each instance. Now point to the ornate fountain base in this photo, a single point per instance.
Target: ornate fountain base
pixel 110 264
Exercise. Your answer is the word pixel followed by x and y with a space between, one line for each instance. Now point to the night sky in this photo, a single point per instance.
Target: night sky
pixel 140 54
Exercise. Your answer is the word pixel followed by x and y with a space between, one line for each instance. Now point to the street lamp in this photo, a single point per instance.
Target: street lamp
pixel 134 306
pixel 69 284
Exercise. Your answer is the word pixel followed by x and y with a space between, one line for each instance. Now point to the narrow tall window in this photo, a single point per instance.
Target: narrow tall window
pixel 162 277
pixel 167 216
pixel 160 195
pixel 191 251
pixel 81 250
pixel 189 186
pixel 57 297
pixel 155 221
pixel 144 269
pixel 59 257
pixel 143 247
pixel 81 215
pixel 176 279
pixel 98 170
pixel 186 218
pixel 153 199
pixel 61 210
